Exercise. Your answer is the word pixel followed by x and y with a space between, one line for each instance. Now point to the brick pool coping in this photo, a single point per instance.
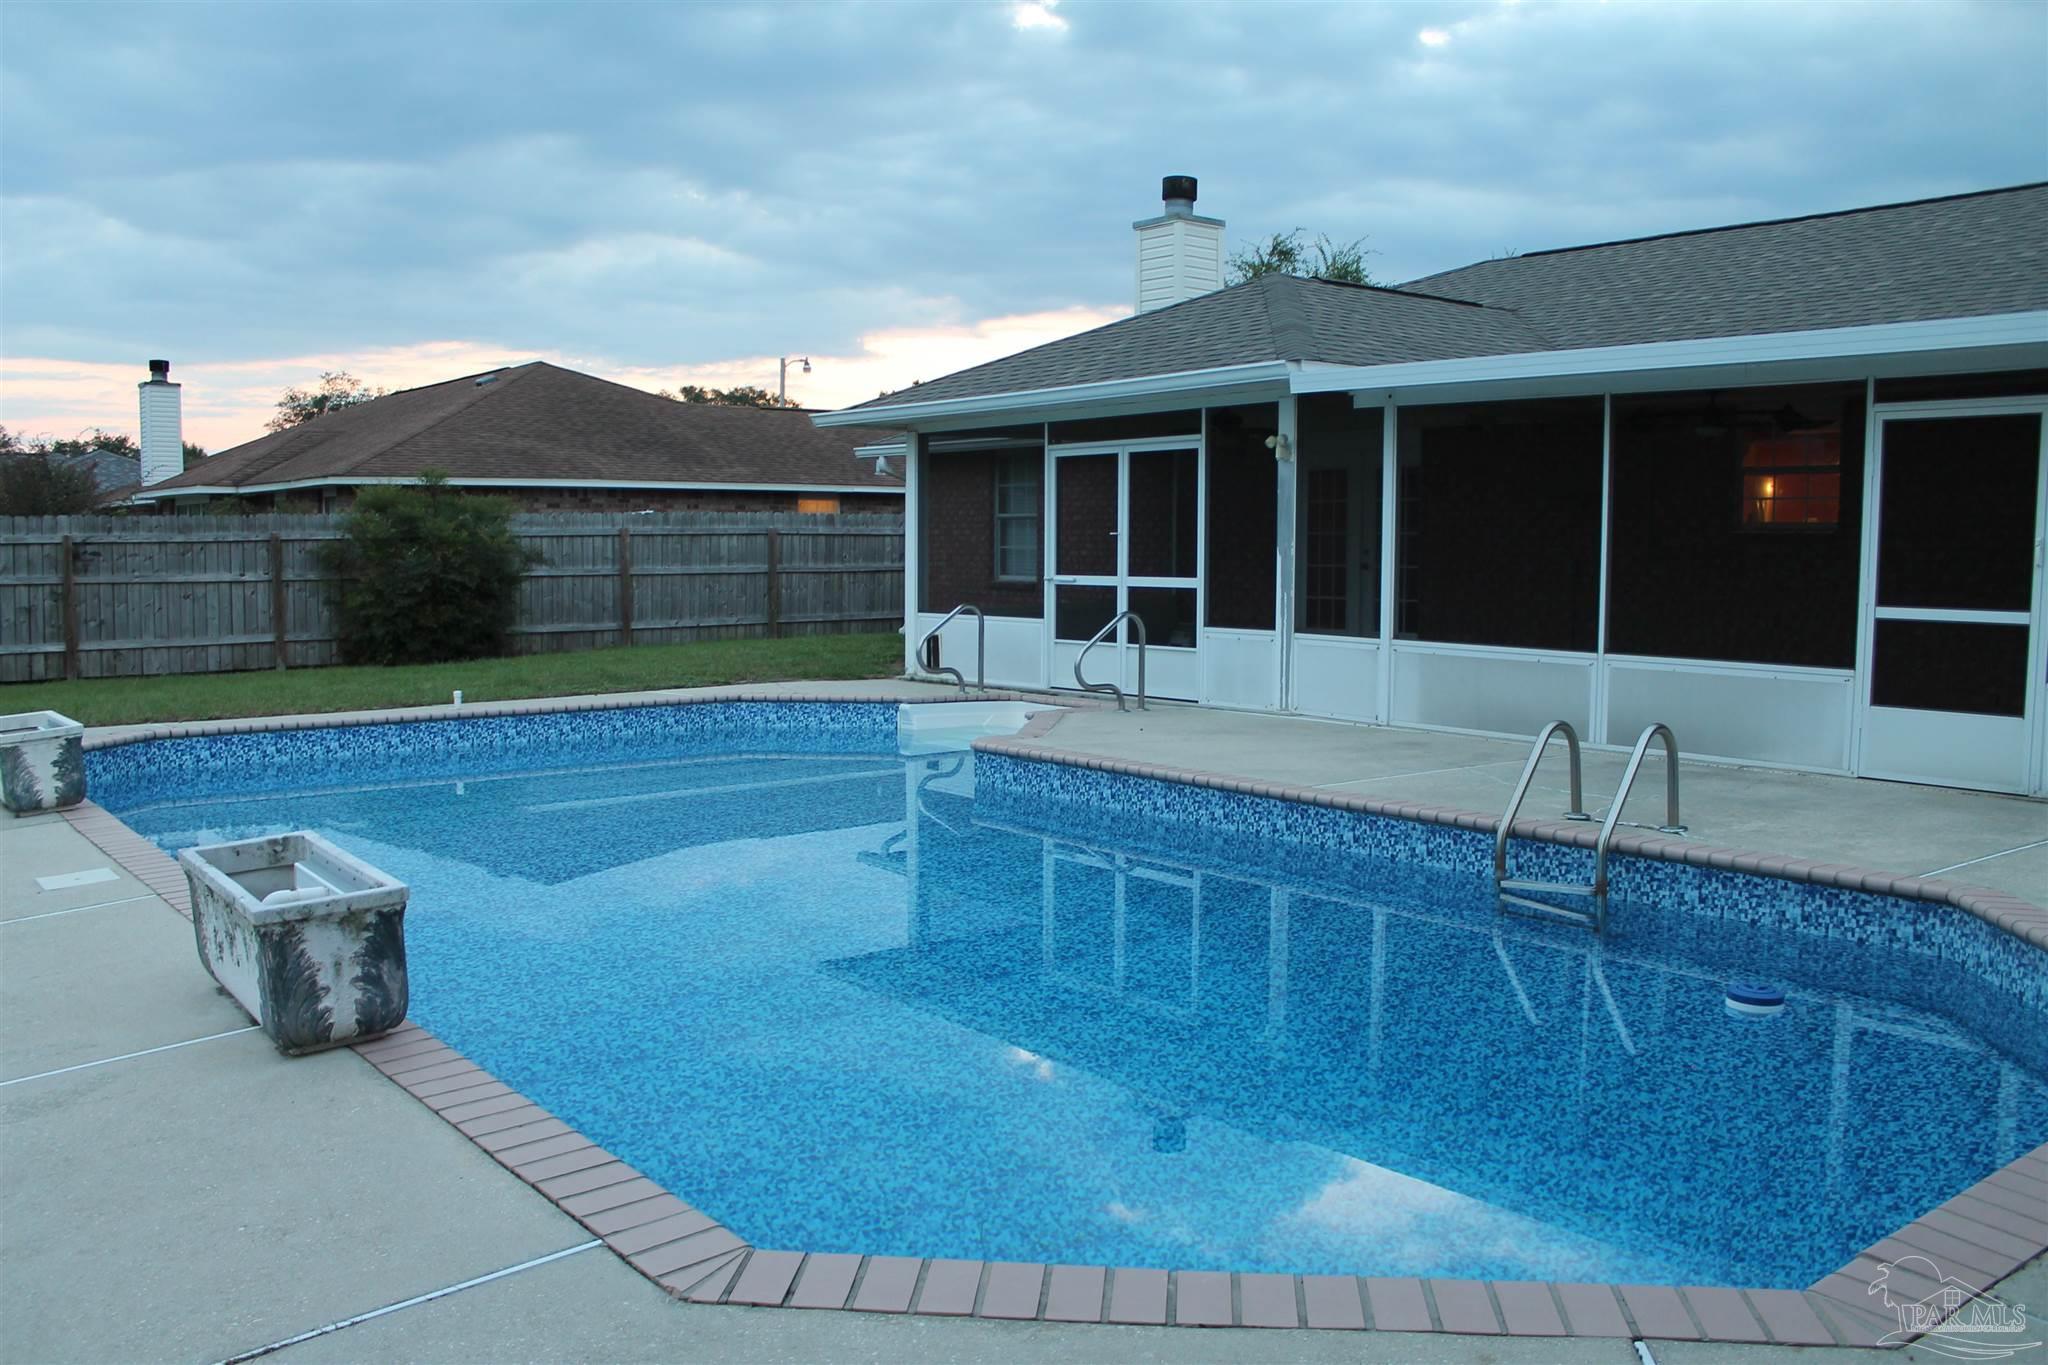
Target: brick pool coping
pixel 1986 1232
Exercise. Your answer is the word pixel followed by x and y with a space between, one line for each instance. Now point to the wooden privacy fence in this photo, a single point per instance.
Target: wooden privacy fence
pixel 96 597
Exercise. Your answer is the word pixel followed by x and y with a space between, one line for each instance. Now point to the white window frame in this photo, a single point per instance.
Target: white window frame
pixel 1035 461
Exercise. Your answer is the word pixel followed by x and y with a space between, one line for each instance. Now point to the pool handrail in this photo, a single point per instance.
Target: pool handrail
pixel 980 648
pixel 1111 687
pixel 1578 806
pixel 1671 825
pixel 1512 891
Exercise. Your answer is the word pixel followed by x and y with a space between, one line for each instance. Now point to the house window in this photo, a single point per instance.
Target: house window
pixel 1327 550
pixel 818 506
pixel 1793 481
pixel 1018 540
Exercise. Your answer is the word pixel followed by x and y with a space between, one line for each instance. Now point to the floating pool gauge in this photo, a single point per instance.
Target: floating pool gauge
pixel 1754 999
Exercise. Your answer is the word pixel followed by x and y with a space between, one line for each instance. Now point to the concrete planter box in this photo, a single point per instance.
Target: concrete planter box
pixel 310 941
pixel 42 762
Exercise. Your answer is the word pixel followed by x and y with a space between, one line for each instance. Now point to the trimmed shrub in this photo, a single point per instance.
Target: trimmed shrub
pixel 426 574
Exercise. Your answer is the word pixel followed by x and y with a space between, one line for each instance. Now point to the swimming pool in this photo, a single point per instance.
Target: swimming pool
pixel 850 1000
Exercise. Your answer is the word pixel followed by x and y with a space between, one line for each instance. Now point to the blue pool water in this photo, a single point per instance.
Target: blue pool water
pixel 841 1003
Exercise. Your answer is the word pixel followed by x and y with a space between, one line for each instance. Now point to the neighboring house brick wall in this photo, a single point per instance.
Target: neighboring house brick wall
pixel 584 500
pixel 689 500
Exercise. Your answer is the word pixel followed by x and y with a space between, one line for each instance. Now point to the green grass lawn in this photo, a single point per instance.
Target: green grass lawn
pixel 213 696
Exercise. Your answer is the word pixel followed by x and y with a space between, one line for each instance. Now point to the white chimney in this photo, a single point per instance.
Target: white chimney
pixel 1179 254
pixel 163 427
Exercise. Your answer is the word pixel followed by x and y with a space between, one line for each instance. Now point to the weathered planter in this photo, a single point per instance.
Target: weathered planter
pixel 42 762
pixel 308 940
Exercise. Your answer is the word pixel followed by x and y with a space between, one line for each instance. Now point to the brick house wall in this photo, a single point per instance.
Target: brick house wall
pixel 1243 506
pixel 958 550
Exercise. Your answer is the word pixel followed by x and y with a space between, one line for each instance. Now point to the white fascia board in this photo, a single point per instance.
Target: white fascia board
pixel 1073 395
pixel 1942 334
pixel 642 485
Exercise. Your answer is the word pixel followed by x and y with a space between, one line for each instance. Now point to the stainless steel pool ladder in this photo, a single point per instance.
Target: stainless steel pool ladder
pixel 1111 687
pixel 980 648
pixel 1521 894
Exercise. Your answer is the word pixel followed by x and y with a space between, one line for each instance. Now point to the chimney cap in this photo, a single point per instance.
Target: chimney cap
pixel 1174 187
pixel 159 369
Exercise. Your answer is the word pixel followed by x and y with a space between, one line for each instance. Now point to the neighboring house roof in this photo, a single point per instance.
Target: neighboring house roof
pixel 1961 256
pixel 111 470
pixel 541 423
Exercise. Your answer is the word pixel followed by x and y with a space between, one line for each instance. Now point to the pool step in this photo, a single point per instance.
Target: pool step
pixel 1520 897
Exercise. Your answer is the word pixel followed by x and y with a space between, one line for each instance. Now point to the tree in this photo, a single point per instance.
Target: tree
pixel 97 439
pixel 1286 253
pixel 335 391
pixel 194 453
pixel 37 483
pixel 744 396
pixel 424 573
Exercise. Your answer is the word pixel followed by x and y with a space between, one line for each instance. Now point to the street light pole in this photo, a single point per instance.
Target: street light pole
pixel 782 382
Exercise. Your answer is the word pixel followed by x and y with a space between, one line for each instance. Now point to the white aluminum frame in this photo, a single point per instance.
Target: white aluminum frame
pixel 1949 347
pixel 913 544
pixel 1123 580
pixel 1599 707
pixel 1602 664
pixel 2032 773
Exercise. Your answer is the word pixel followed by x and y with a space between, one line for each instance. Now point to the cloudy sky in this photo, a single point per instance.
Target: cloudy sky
pixel 669 193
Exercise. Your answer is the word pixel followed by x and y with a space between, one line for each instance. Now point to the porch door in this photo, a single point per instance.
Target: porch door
pixel 1954 690
pixel 1338 592
pixel 1126 536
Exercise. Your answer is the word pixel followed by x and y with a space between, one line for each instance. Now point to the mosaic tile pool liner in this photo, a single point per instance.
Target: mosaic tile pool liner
pixel 1988 1230
pixel 1130 805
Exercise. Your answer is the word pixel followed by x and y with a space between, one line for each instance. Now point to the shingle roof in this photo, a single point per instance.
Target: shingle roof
pixel 1275 317
pixel 110 469
pixel 1959 256
pixel 540 421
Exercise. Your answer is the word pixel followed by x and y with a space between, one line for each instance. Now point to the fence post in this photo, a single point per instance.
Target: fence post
pixel 70 556
pixel 774 584
pixel 278 601
pixel 625 585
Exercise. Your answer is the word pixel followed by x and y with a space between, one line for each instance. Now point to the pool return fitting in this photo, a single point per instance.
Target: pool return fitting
pixel 1519 895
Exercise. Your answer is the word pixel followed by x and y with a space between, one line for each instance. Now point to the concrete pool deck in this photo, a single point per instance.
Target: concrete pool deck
pixel 1978 837
pixel 186 1193
pixel 171 1188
